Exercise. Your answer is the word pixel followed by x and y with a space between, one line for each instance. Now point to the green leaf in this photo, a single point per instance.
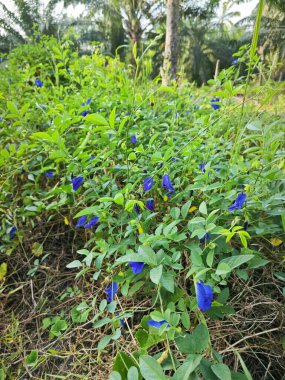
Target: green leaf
pixel 185 209
pixel 189 366
pixel 32 358
pixel 74 264
pixel 203 208
pixel 236 261
pixel 59 326
pixel 146 255
pixel 193 343
pixel 175 212
pixel 119 199
pixel 123 363
pixel 101 322
pixel 12 107
pixel 223 268
pixel 115 376
pixel 104 342
pixel 96 119
pixel 167 281
pixel 112 118
pixel 150 369
pixel 87 211
pixel 2 374
pixel 185 319
pixel 133 373
pixel 155 274
pixel 221 371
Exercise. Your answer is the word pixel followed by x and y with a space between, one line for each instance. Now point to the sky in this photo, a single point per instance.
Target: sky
pixel 245 9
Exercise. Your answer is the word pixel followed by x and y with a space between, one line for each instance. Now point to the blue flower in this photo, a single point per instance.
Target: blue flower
pixel 110 136
pixel 88 101
pixel 238 203
pixel 157 324
pixel 83 104
pixel 49 174
pixel 187 113
pixel 111 291
pixel 205 295
pixel 235 62
pixel 134 139
pixel 81 221
pixel 136 266
pixel 205 237
pixel 150 204
pixel 84 113
pixel 148 183
pixel 166 184
pixel 202 167
pixel 137 208
pixel 122 322
pixel 214 103
pixel 13 232
pixel 10 80
pixel 92 222
pixel 91 158
pixel 38 83
pixel 245 226
pixel 76 183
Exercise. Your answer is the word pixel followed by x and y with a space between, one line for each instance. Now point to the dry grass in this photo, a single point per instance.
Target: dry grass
pixel 255 330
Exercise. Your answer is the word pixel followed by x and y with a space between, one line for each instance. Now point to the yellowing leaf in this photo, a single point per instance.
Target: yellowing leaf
pixel 276 242
pixel 3 271
pixel 66 221
pixel 165 198
pixel 247 189
pixel 140 229
pixel 192 209
pixel 37 249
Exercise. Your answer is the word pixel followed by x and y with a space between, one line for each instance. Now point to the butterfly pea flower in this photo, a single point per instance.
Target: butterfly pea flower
pixel 205 295
pixel 122 322
pixel 148 183
pixel 111 291
pixel 81 221
pixel 137 208
pixel 10 80
pixel 205 237
pixel 245 226
pixel 235 62
pixel 156 324
pixel 110 136
pixel 91 158
pixel 187 113
pixel 38 83
pixel 166 184
pixel 238 203
pixel 214 103
pixel 92 222
pixel 134 139
pixel 84 113
pixel 136 266
pixel 150 204
pixel 88 101
pixel 49 174
pixel 202 167
pixel 13 232
pixel 76 183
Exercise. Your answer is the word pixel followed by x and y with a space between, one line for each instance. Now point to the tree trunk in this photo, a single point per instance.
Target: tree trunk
pixel 171 42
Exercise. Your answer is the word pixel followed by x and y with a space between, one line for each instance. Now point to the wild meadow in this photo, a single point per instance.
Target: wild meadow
pixel 142 225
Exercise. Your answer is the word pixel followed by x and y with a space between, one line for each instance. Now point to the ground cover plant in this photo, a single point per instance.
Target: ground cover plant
pixel 141 225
